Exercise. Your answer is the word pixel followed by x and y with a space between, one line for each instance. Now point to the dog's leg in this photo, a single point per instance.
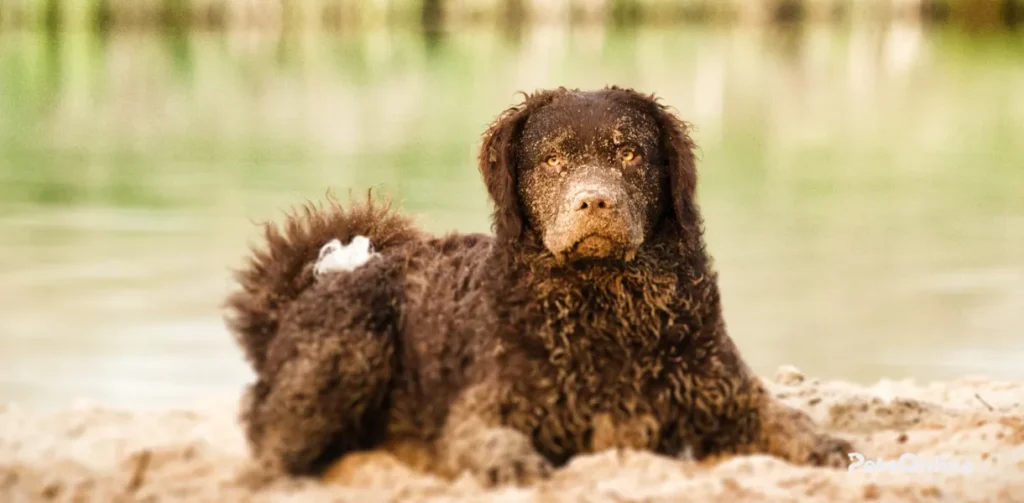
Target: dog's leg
pixel 792 435
pixel 733 413
pixel 323 391
pixel 474 440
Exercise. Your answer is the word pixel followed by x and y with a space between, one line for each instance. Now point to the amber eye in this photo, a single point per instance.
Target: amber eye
pixel 553 160
pixel 627 154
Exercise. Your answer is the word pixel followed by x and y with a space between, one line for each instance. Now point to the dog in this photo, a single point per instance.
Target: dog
pixel 590 319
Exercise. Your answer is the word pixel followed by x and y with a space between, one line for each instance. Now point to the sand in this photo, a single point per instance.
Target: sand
pixel 92 453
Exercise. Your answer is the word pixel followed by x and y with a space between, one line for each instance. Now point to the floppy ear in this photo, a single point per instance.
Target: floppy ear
pixel 498 165
pixel 682 169
pixel 678 149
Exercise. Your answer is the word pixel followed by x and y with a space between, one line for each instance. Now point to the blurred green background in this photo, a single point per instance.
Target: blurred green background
pixel 862 166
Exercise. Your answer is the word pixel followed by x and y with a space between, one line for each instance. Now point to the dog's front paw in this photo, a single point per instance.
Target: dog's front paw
pixel 830 452
pixel 502 456
pixel 518 468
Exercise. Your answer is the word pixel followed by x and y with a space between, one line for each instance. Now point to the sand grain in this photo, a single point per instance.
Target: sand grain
pixel 90 453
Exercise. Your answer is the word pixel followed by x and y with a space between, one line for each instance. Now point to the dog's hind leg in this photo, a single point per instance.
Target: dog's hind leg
pixel 296 254
pixel 324 388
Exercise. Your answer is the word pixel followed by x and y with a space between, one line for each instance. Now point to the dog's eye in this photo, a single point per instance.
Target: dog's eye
pixel 553 160
pixel 627 154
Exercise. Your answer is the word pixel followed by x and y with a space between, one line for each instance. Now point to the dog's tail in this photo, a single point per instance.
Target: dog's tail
pixel 275 274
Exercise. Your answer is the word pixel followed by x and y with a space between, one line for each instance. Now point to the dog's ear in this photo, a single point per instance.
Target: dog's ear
pixel 498 164
pixel 675 139
pixel 678 151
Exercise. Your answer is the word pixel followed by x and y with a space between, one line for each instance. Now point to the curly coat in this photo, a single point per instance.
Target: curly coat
pixel 504 360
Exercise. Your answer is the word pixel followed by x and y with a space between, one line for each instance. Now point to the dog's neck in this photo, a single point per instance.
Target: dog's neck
pixel 661 276
pixel 669 248
pixel 662 267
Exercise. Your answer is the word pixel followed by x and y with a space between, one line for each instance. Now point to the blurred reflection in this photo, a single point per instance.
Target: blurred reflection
pixel 862 186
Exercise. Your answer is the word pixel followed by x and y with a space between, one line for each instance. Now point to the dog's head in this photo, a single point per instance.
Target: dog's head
pixel 591 174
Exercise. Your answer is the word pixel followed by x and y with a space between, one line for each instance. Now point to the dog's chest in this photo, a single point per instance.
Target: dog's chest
pixel 590 404
pixel 598 381
pixel 599 362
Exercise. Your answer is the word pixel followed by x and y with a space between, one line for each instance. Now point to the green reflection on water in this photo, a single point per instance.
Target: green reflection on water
pixel 862 187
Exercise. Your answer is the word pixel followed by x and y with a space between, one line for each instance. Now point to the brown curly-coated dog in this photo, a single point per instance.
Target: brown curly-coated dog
pixel 591 320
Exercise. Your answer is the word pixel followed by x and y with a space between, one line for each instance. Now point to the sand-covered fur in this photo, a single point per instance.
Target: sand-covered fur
pixel 590 321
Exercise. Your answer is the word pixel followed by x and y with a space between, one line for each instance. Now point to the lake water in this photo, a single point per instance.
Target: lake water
pixel 863 187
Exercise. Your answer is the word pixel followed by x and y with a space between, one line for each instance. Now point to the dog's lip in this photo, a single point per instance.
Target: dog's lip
pixel 595 234
pixel 591 235
pixel 628 249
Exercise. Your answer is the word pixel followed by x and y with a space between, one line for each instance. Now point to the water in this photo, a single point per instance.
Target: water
pixel 863 188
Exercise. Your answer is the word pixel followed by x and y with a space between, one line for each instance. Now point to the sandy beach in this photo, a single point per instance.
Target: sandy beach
pixel 967 435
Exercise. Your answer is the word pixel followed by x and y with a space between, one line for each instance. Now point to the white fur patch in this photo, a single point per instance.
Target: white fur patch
pixel 335 257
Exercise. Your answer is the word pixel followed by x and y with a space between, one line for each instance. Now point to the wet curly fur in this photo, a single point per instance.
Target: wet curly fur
pixel 502 360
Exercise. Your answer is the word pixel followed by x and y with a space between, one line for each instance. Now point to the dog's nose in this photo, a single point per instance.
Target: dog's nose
pixel 593 201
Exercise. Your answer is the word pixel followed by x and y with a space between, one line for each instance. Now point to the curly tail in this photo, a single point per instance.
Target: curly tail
pixel 275 275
